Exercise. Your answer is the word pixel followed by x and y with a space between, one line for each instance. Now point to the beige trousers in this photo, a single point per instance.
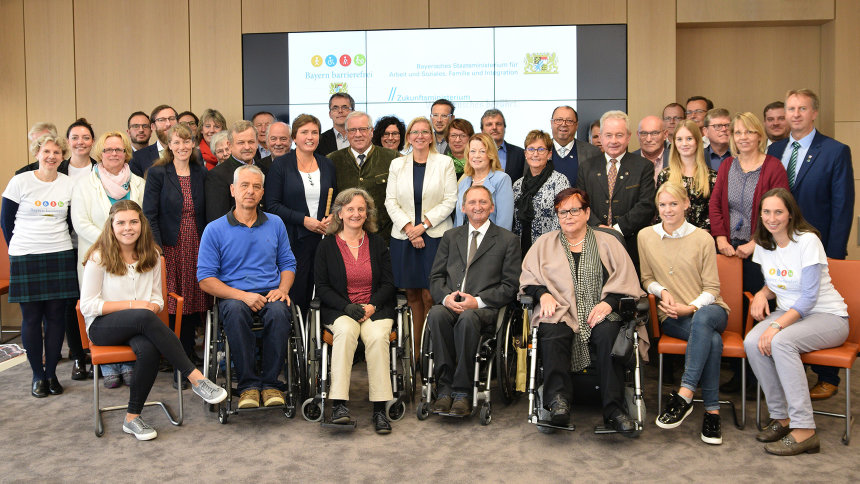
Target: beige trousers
pixel 375 335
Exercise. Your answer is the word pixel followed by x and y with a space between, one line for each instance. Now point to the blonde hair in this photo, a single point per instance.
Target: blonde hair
pixel 99 146
pixel 492 153
pixel 420 119
pixel 701 179
pixel 673 189
pixel 751 123
pixel 60 141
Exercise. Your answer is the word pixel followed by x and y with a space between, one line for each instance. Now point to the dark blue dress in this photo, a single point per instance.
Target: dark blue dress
pixel 412 266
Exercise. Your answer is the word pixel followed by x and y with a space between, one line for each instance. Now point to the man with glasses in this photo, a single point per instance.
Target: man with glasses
pixel 441 115
pixel 139 130
pixel 697 108
pixel 567 151
pixel 261 121
pixel 653 144
pixel 364 165
pixel 340 104
pixel 163 117
pixel 512 157
pixel 673 114
pixel 717 123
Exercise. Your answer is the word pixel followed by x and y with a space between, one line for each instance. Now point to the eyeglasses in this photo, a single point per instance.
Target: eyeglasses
pixel 673 118
pixel 696 111
pixel 741 134
pixel 719 127
pixel 572 212
pixel 139 126
pixel 391 134
pixel 475 152
pixel 561 121
pixel 441 116
pixel 164 120
pixel 115 151
pixel 532 150
pixel 649 134
pixel 421 132
pixel 344 108
pixel 362 130
pixel 458 135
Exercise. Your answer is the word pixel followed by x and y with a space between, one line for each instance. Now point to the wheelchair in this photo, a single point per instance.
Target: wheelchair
pixel 318 369
pixel 633 315
pixel 497 351
pixel 218 365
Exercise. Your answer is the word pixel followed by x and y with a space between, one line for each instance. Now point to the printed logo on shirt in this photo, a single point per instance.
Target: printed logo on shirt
pixel 783 273
pixel 49 203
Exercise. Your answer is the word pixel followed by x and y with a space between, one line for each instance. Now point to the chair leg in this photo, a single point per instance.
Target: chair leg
pixel 660 385
pixel 849 418
pixel 758 406
pixel 743 393
pixel 97 413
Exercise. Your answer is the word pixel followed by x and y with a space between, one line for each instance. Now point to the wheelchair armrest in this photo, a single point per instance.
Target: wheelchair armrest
pixel 401 299
pixel 315 304
pixel 526 301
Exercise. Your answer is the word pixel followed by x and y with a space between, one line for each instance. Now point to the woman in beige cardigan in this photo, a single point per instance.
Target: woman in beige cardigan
pixel 578 307
pixel 690 306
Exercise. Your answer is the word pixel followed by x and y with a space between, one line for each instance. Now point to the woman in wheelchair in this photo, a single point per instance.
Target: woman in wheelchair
pixel 357 294
pixel 690 306
pixel 120 297
pixel 578 307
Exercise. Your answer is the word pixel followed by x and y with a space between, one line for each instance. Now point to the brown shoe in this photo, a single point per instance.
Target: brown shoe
pixel 250 399
pixel 773 432
pixel 461 406
pixel 272 398
pixel 788 446
pixel 823 390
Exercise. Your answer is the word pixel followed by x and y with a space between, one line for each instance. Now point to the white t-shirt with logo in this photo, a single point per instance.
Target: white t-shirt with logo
pixel 41 224
pixel 782 268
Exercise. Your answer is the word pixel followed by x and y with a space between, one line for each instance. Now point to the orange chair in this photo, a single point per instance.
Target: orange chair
pixel 731 283
pixel 844 275
pixel 103 355
pixel 4 285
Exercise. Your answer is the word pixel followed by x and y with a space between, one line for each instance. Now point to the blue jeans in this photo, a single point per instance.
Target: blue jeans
pixel 704 348
pixel 237 317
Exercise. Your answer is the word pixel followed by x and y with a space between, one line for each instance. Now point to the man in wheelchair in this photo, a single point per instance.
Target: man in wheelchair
pixel 246 262
pixel 474 274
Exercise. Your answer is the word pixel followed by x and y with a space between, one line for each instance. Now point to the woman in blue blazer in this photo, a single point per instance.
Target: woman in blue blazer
pixel 175 204
pixel 297 190
pixel 483 168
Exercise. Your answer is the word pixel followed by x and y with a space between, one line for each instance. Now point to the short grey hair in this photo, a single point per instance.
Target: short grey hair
pixel 492 113
pixel 615 114
pixel 252 168
pixel 356 114
pixel 240 127
pixel 39 127
pixel 269 129
pixel 218 138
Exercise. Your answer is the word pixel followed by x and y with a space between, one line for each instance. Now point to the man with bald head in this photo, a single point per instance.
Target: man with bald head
pixel 567 151
pixel 653 144
pixel 279 141
pixel 364 165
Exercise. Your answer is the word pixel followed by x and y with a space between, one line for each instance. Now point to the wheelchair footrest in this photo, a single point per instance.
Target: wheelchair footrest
pixel 448 414
pixel 339 426
pixel 602 429
pixel 549 425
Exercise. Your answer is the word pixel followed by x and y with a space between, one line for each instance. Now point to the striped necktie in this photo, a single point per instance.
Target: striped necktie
pixel 612 178
pixel 792 164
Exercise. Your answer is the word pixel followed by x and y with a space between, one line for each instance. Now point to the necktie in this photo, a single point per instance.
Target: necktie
pixel 473 248
pixel 562 152
pixel 613 175
pixel 361 159
pixel 792 164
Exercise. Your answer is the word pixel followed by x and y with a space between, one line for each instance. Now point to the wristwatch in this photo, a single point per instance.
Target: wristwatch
pixel 424 224
pixel 775 326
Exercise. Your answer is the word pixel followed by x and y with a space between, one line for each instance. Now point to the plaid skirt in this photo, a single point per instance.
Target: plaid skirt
pixel 42 277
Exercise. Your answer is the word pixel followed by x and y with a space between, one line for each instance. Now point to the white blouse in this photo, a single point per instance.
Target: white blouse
pixel 311 182
pixel 100 286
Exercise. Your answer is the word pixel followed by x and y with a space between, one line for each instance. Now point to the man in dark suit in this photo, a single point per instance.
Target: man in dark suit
pixel 619 184
pixel 567 151
pixel 261 121
pixel 340 104
pixel 475 273
pixel 512 158
pixel 162 118
pixel 652 139
pixel 243 145
pixel 821 178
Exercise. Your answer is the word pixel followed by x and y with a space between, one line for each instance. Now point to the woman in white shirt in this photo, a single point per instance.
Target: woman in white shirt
pixel 810 315
pixel 121 296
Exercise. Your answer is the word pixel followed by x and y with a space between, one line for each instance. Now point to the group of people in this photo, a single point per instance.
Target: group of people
pixel 462 221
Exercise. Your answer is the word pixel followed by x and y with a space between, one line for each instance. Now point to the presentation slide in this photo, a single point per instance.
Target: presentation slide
pixel 523 71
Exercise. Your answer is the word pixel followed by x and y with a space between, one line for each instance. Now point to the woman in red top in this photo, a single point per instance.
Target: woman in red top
pixel 356 288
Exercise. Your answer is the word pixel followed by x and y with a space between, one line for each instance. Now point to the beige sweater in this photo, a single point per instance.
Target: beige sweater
pixel 685 266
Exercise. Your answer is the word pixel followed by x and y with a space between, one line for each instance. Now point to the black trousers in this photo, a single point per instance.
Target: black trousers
pixel 455 341
pixel 554 346
pixel 149 337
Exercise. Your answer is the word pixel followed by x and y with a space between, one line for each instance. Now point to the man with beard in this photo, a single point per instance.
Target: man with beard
pixel 162 118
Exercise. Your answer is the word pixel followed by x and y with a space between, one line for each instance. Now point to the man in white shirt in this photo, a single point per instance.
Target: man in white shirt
pixel 568 153
pixel 139 130
pixel 441 115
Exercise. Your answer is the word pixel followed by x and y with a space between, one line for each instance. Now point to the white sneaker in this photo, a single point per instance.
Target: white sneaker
pixel 209 391
pixel 140 429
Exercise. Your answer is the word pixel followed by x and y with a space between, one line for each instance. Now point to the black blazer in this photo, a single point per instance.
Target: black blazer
pixel 162 201
pixel 62 168
pixel 143 158
pixel 327 144
pixel 516 161
pixel 217 187
pixel 495 271
pixel 285 194
pixel 330 279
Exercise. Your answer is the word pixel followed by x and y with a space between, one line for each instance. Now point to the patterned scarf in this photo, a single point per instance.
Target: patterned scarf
pixel 587 286
pixel 116 186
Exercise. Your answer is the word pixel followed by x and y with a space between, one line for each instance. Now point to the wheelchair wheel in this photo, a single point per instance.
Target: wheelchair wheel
pixel 632 410
pixel 395 409
pixel 408 360
pixel 486 414
pixel 423 411
pixel 506 356
pixel 222 414
pixel 311 410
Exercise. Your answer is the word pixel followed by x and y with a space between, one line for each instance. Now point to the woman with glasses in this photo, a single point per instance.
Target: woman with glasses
pixel 459 133
pixel 578 275
pixel 534 193
pixel 211 122
pixel 420 196
pixel 390 132
pixel 484 168
pixel 687 167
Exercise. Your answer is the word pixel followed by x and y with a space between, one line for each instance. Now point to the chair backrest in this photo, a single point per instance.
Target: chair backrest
pixel 844 274
pixel 731 274
pixel 4 259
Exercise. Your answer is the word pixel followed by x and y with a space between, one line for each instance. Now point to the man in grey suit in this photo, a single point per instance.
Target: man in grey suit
pixel 652 139
pixel 567 151
pixel 475 273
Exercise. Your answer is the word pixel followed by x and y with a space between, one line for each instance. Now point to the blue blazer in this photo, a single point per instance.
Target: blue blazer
pixel 142 159
pixel 500 186
pixel 824 189
pixel 285 194
pixel 162 201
